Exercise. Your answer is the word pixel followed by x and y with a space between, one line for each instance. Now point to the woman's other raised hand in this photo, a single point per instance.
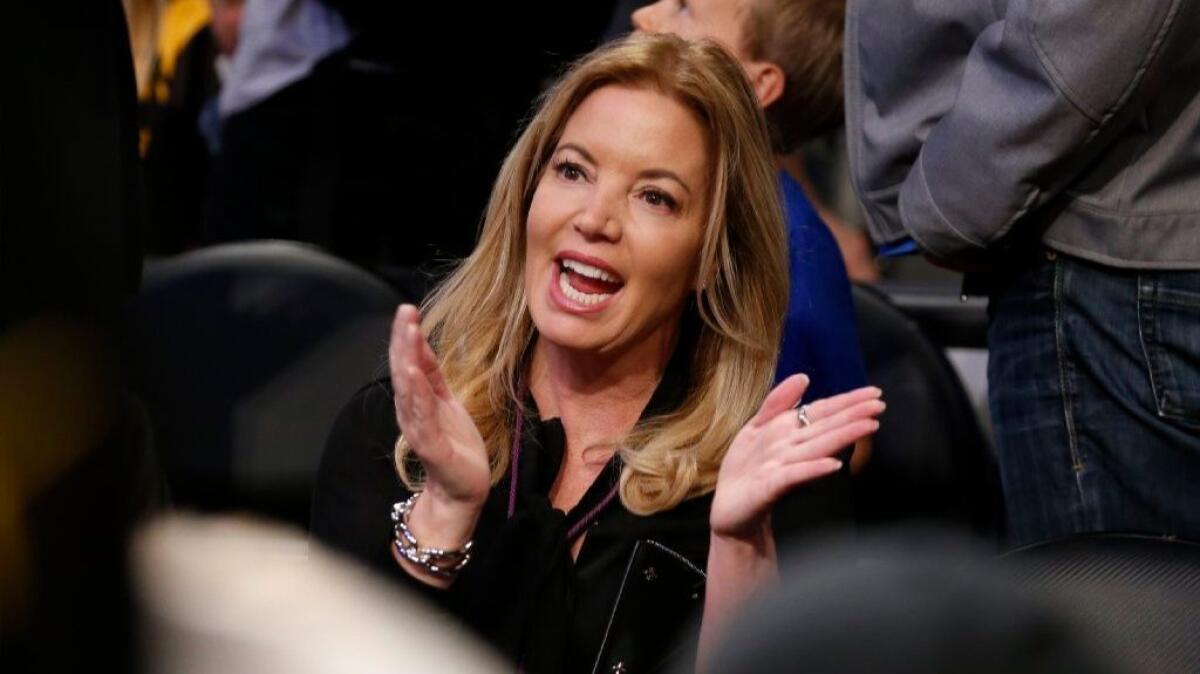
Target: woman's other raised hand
pixel 775 451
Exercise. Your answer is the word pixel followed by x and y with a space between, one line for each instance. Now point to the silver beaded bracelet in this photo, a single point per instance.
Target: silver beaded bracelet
pixel 439 562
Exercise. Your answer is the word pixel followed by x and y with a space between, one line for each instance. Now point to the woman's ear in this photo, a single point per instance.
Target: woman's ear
pixel 768 81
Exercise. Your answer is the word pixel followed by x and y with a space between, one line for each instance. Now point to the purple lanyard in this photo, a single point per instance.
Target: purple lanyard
pixel 515 459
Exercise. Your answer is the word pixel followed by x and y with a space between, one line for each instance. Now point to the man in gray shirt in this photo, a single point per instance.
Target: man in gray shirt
pixel 1056 144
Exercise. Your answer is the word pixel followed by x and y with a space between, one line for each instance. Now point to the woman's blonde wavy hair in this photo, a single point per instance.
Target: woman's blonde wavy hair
pixel 478 321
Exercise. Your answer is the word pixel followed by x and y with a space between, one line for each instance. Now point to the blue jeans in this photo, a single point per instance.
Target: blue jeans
pixel 1094 379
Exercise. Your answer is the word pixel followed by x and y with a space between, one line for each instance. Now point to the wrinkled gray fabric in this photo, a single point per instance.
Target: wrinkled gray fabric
pixel 975 123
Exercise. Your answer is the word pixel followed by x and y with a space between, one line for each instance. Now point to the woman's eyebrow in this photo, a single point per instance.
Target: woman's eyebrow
pixel 572 146
pixel 665 173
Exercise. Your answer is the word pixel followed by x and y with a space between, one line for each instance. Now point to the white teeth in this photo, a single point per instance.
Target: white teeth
pixel 577 296
pixel 590 271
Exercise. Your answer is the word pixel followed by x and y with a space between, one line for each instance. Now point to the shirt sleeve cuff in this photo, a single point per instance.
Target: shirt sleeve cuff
pixel 900 248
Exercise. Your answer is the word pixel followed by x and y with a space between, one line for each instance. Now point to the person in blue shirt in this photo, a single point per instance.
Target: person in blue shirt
pixel 791 51
pixel 820 336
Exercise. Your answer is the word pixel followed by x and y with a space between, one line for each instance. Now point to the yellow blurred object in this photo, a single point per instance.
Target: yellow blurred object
pixel 159 32
pixel 181 20
pixel 56 404
pixel 143 19
pixel 14 560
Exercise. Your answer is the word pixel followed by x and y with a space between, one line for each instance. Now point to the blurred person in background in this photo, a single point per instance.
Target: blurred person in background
pixel 193 42
pixel 1054 149
pixel 341 127
pixel 577 425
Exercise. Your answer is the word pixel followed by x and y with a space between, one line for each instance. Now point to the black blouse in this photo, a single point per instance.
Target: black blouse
pixel 521 591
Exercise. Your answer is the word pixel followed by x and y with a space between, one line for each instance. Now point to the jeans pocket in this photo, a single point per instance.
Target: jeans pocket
pixel 1169 322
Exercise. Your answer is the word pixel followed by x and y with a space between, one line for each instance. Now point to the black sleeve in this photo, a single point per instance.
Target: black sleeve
pixel 357 484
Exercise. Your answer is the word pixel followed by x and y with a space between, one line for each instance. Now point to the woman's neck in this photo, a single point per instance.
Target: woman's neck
pixel 597 398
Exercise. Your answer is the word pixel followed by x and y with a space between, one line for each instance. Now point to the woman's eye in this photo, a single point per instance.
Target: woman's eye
pixel 569 171
pixel 660 199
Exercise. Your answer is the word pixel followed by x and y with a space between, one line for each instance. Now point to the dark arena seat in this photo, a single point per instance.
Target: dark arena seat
pixel 244 353
pixel 930 460
pixel 1138 594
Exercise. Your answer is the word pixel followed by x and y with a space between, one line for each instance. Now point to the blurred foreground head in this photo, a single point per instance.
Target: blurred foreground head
pixel 230 596
pixel 916 602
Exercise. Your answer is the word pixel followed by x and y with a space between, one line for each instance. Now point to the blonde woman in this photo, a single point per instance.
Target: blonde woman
pixel 587 461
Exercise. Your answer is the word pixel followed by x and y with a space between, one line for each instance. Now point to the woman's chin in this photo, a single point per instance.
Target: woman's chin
pixel 558 332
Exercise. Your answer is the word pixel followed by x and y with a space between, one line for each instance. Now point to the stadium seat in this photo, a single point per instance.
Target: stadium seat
pixel 244 353
pixel 930 461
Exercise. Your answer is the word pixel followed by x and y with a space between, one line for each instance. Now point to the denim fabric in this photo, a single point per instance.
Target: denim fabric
pixel 1094 377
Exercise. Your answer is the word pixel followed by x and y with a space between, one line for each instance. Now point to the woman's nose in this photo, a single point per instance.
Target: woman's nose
pixel 599 219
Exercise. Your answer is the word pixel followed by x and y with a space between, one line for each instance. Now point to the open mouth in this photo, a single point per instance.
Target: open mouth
pixel 586 284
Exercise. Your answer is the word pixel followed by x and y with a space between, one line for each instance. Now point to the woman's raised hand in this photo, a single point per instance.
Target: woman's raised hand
pixel 775 451
pixel 437 427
